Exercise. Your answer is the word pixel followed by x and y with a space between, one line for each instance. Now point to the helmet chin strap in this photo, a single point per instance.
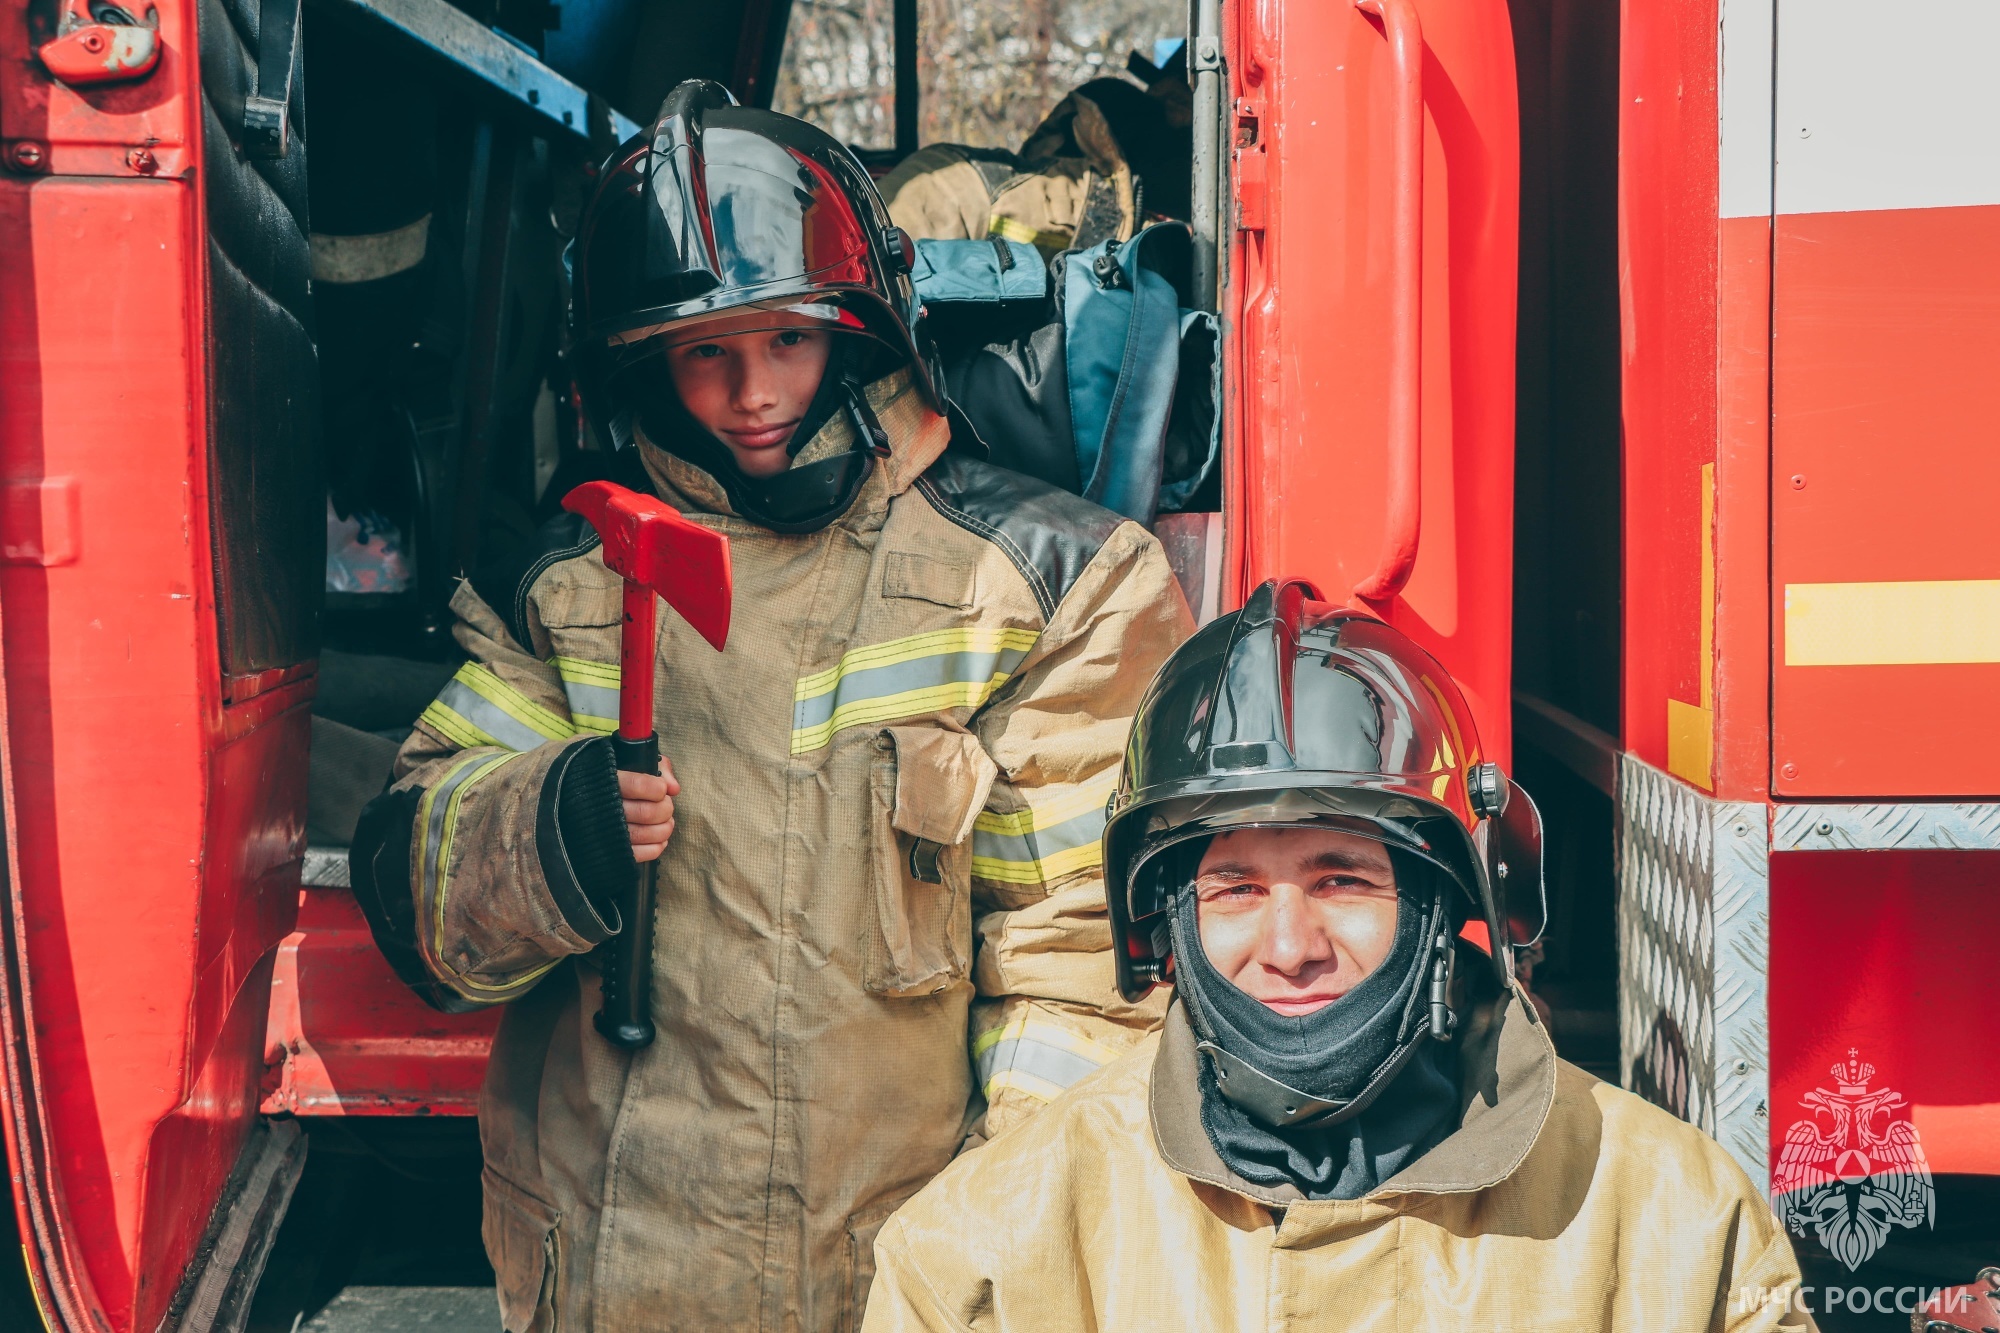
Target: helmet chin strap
pixel 806 497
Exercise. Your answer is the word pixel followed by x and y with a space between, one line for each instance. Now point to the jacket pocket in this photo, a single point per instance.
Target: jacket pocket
pixel 524 1240
pixel 862 1229
pixel 927 785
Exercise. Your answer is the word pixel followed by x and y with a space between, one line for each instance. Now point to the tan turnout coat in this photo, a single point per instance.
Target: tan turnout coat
pixel 1560 1205
pixel 882 899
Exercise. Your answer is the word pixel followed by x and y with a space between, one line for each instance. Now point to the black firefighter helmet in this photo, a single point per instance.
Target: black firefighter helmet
pixel 1293 711
pixel 720 209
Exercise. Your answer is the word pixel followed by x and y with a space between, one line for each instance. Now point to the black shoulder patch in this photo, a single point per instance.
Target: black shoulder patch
pixel 1049 534
pixel 504 583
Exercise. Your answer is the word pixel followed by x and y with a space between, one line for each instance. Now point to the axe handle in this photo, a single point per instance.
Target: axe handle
pixel 626 1018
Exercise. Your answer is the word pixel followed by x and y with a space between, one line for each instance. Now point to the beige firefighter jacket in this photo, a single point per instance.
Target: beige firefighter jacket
pixel 1560 1205
pixel 881 900
pixel 1071 188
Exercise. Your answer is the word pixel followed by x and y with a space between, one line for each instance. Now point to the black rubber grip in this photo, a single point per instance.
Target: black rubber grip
pixel 626 959
pixel 636 756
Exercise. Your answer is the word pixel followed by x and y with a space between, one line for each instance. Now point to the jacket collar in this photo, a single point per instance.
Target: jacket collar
pixel 1507 1082
pixel 917 437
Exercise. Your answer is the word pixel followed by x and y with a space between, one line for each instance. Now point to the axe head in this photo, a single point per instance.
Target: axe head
pixel 648 543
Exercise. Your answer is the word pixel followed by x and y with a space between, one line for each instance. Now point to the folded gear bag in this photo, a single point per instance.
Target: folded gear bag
pixel 1092 374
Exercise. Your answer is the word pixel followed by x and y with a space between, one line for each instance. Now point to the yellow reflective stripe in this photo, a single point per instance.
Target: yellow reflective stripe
pixel 1087 797
pixel 976 638
pixel 1050 839
pixel 477 708
pixel 583 669
pixel 1032 1055
pixel 592 688
pixel 441 826
pixel 958 694
pixel 931 672
pixel 481 681
pixel 446 721
pixel 1020 1080
pixel 1013 229
pixel 1001 870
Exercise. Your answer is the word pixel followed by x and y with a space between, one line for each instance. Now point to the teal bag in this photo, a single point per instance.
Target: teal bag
pixel 1103 382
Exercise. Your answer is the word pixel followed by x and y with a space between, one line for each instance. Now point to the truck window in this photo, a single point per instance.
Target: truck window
pixel 986 73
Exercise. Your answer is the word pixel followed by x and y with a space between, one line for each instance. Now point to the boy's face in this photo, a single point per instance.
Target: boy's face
pixel 1296 918
pixel 749 379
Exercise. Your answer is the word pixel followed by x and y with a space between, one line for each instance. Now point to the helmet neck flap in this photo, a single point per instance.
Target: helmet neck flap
pixel 1299 1100
pixel 1330 1065
pixel 806 497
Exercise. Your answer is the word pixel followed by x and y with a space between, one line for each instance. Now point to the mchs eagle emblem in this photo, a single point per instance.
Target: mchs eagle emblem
pixel 1853 1171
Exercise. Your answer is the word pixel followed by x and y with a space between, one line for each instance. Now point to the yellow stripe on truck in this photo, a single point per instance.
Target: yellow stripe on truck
pixel 1892 624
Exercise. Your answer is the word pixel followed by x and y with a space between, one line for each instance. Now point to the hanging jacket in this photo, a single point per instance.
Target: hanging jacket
pixel 1560 1204
pixel 880 913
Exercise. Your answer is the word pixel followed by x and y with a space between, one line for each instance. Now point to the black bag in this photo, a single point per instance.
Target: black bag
pixel 1090 373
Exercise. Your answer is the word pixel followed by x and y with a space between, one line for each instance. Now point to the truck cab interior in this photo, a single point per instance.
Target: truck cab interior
pixel 395 406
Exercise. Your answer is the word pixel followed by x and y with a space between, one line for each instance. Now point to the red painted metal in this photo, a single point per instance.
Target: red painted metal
pixel 1887 332
pixel 1887 953
pixel 85 51
pixel 1406 306
pixel 98 129
pixel 155 826
pixel 347 1038
pixel 648 543
pixel 1311 302
pixel 1807 398
pixel 636 645
pixel 1667 211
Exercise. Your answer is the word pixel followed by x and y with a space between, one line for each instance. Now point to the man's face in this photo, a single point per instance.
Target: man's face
pixel 749 380
pixel 1296 918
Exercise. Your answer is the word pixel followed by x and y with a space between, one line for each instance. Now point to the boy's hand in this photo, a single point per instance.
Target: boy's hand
pixel 649 810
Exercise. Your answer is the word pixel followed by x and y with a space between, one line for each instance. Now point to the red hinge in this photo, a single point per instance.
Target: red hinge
pixel 86 50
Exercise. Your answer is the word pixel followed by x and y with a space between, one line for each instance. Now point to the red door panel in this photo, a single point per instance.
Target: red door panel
pixel 155 828
pixel 1885 574
pixel 1312 291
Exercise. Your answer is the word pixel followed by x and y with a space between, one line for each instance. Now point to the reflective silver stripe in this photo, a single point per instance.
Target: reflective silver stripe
pixel 591 701
pixel 1025 1055
pixel 436 809
pixel 1041 844
pixel 489 717
pixel 923 673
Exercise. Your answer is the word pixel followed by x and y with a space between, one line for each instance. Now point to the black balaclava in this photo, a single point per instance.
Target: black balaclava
pixel 800 499
pixel 1330 1054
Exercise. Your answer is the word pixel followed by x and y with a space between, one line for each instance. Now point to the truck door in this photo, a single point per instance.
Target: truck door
pixel 1370 161
pixel 160 559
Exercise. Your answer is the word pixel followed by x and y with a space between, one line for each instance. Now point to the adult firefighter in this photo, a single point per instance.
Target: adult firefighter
pixel 884 798
pixel 1335 1129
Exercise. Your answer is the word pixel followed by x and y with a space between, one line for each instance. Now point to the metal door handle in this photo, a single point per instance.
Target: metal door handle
pixel 1406 304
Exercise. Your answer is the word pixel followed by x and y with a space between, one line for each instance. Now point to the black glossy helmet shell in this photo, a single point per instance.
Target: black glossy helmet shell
pixel 1294 711
pixel 720 206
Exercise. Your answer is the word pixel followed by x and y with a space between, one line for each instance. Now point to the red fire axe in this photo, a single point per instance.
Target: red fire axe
pixel 655 551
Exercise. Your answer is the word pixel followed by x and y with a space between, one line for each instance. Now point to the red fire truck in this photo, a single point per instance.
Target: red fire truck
pixel 1633 359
